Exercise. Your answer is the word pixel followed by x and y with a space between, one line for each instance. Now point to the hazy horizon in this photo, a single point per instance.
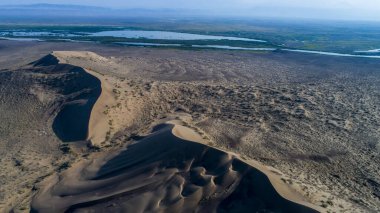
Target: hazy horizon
pixel 322 9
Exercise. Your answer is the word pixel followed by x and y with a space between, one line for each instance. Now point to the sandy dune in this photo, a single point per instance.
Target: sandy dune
pixel 163 173
pixel 72 121
pixel 98 123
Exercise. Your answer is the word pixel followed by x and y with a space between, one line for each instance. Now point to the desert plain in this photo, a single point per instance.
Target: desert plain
pixel 109 128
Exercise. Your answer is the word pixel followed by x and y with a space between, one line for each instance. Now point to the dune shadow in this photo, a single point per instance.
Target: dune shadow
pixel 81 91
pixel 71 123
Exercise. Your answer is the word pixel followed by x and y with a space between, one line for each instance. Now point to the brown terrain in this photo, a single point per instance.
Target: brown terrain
pixel 91 127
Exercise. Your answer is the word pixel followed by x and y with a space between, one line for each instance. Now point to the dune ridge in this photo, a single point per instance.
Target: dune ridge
pixel 170 170
pixel 97 127
pixel 163 173
pixel 80 91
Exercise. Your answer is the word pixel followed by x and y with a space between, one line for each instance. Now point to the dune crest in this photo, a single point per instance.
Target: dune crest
pixel 78 92
pixel 98 125
pixel 97 122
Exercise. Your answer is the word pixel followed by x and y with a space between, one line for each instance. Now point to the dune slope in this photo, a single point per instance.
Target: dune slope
pixel 162 173
pixel 72 121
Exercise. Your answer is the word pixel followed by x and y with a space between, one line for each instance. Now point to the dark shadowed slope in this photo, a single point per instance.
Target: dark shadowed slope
pixel 80 91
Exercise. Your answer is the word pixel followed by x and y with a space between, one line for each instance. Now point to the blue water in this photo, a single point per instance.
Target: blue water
pixel 164 35
pixel 21 39
pixel 331 53
pixel 149 44
pixel 159 35
pixel 368 51
pixel 196 46
pixel 234 48
pixel 35 34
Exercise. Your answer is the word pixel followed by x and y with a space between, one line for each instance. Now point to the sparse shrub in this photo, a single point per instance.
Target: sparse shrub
pixel 17 162
pixel 116 91
pixel 324 205
pixel 93 148
pixel 108 135
pixel 65 148
pixel 63 166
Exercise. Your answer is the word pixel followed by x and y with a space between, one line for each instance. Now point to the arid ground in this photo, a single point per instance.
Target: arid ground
pixel 91 127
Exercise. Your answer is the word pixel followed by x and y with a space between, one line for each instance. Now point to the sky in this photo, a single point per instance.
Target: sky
pixel 340 9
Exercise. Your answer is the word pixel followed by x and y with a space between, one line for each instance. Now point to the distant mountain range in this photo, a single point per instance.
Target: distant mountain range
pixel 49 6
pixel 82 14
pixel 83 11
